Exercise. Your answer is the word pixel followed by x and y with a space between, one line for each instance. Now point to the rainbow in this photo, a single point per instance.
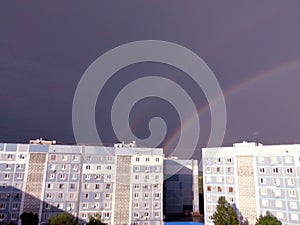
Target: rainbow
pixel 278 70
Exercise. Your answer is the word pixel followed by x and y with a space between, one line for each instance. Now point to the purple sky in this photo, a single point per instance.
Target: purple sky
pixel 252 47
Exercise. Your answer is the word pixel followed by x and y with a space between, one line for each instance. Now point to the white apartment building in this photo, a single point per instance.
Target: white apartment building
pixel 123 183
pixel 254 178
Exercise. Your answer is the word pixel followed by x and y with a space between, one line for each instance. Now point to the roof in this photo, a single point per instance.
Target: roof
pixel 183 223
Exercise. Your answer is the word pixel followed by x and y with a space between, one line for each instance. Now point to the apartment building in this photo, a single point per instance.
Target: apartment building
pixel 254 178
pixel 123 183
pixel 181 189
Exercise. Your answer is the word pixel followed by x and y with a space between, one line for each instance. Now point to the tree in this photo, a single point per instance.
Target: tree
pixel 268 219
pixel 96 220
pixel 29 218
pixel 63 219
pixel 225 214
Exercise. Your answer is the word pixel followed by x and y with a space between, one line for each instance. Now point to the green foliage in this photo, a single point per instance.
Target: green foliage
pixel 63 219
pixel 95 220
pixel 29 218
pixel 268 219
pixel 200 184
pixel 225 214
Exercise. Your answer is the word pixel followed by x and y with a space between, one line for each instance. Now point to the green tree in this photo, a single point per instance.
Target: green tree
pixel 29 218
pixel 225 214
pixel 95 220
pixel 268 219
pixel 63 219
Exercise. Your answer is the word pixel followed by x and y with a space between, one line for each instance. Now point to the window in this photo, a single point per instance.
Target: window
pixel 97 195
pixel 229 179
pixel 9 156
pixel 278 204
pixel 75 157
pixel 230 189
pixel 208 188
pixel 137 177
pixel 288 159
pixel 60 195
pixel 74 176
pixel 108 176
pixel 88 158
pixel 147 168
pixel 50 186
pixel 136 215
pixel 49 195
pixel 8 166
pixel 262 170
pixel 51 176
pixel 265 202
pixel 293 205
pixel 136 168
pixel 107 195
pixel 108 186
pixel 62 176
pixel 208 169
pixel 156 205
pixel 156 159
pixel 292 193
pixel 86 186
pixel 136 205
pixel 98 167
pixel 136 186
pixel 156 177
pixel 275 170
pixel 229 160
pixel 294 216
pixel 261 160
pixel 274 160
pixel 19 176
pixel 2 205
pixel 84 215
pixel 219 170
pixel 146 195
pixel 108 167
pixel 75 167
pixel 156 195
pixel 64 158
pixel 136 195
pixel 156 214
pixel 53 157
pixel 219 179
pixel 147 159
pixel 208 179
pixel 109 158
pixel 276 181
pixel 277 192
pixel 72 196
pixel 61 186
pixel 230 169
pixel 87 167
pixel 14 216
pixel 85 205
pixel 262 180
pixel 86 195
pixel 106 205
pixel 279 215
pixel 7 176
pixel 146 177
pixel 106 215
pixel 97 186
pixel 289 170
pixel 230 199
pixel 264 191
pixel 15 205
pixel 209 198
pixel 87 176
pixel 220 189
pixel 291 182
pixel 157 168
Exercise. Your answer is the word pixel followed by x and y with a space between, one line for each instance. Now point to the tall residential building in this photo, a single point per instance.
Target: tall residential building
pixel 123 183
pixel 254 179
pixel 181 189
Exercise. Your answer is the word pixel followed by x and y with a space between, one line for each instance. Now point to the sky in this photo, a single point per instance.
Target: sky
pixel 252 48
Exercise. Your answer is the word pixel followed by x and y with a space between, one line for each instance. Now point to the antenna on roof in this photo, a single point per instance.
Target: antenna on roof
pixel 255 138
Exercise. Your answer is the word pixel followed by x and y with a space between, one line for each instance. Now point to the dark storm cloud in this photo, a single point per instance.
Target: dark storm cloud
pixel 46 47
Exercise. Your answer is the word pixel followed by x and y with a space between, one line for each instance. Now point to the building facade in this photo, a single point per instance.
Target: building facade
pixel 254 179
pixel 181 189
pixel 123 183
